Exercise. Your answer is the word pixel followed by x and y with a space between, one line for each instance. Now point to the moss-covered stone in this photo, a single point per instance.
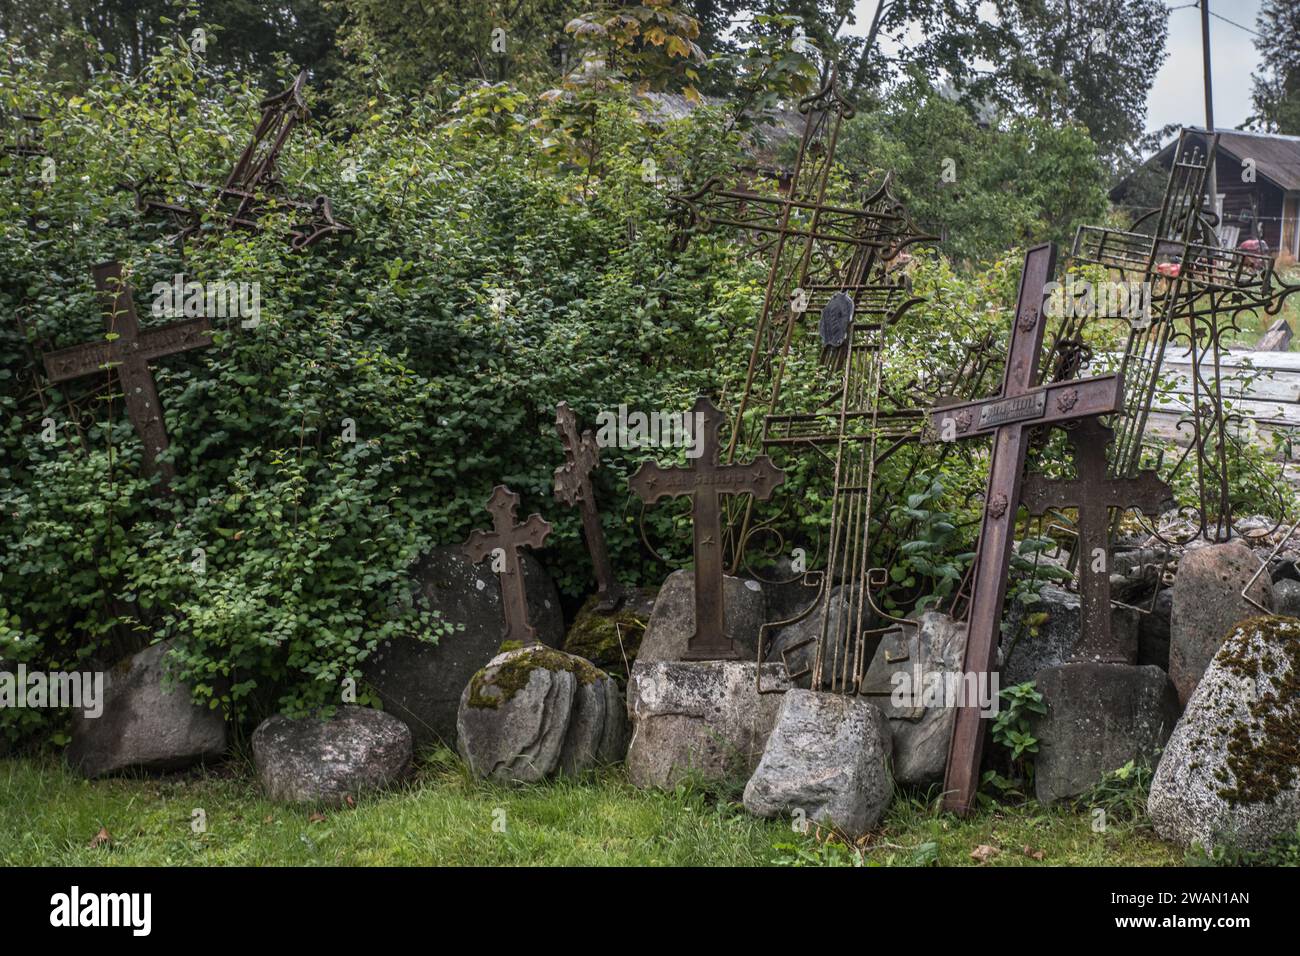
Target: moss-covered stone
pixel 498 683
pixel 1264 753
pixel 611 639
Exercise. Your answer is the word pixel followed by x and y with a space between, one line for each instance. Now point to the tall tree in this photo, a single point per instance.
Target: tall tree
pixel 1277 82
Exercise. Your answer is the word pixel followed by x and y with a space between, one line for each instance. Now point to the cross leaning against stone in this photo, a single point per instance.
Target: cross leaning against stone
pixel 705 481
pixel 1008 417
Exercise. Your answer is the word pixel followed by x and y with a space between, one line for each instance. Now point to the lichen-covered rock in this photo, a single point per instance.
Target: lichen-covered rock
pixel 420 682
pixel 672 621
pixel 903 664
pixel 1046 634
pixel 611 639
pixel 1208 604
pixel 535 712
pixel 1099 717
pixel 147 723
pixel 702 718
pixel 325 761
pixel 1230 775
pixel 826 759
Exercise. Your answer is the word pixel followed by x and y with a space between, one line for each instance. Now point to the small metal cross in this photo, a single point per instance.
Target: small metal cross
pixel 573 487
pixel 1094 494
pixel 503 543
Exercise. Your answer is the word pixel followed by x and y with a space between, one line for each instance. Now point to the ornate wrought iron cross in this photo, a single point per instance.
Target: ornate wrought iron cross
pixel 254 176
pixel 1193 283
pixel 1008 417
pixel 503 543
pixel 128 352
pixel 1094 495
pixel 573 487
pixel 705 481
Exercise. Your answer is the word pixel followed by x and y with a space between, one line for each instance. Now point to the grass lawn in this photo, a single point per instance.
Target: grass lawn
pixel 51 817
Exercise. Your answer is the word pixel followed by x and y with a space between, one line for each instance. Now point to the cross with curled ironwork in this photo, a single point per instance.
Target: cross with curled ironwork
pixel 705 481
pixel 241 200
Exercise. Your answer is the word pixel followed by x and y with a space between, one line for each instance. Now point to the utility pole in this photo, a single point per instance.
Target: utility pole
pixel 1212 179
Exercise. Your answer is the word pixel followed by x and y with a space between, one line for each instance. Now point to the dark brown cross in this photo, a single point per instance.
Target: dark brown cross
pixel 503 543
pixel 573 487
pixel 705 481
pixel 1094 494
pixel 1008 417
pixel 128 351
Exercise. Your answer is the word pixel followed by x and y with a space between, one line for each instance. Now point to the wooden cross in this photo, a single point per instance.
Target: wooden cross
pixel 128 351
pixel 503 543
pixel 1094 494
pixel 1008 418
pixel 573 487
pixel 705 482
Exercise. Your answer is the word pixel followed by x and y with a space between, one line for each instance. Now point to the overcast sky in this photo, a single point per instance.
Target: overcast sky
pixel 1177 96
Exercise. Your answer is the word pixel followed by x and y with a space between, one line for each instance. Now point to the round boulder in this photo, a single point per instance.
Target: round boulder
pixel 535 712
pixel 325 761
pixel 1230 775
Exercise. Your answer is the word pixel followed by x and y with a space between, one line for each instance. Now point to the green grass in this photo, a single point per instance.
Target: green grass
pixel 50 817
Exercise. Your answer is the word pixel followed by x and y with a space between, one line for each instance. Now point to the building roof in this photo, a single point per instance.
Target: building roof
pixel 1277 157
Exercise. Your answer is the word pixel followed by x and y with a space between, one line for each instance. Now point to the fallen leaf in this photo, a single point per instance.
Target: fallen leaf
pixel 316 817
pixel 349 801
pixel 102 838
pixel 983 853
pixel 1029 851
pixel 268 819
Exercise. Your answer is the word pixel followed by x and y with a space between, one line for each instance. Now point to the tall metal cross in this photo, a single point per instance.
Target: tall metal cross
pixel 503 543
pixel 1008 417
pixel 573 487
pixel 705 482
pixel 1094 494
pixel 1193 282
pixel 128 352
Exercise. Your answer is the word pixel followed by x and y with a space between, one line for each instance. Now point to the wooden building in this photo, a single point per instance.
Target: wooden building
pixel 1258 185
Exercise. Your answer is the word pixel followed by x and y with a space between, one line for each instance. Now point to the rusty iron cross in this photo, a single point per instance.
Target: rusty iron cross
pixel 1008 417
pixel 503 543
pixel 128 351
pixel 1094 494
pixel 705 482
pixel 573 487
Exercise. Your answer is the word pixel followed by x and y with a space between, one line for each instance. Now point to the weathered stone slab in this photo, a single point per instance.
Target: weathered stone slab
pixel 699 717
pixel 1099 717
pixel 1230 775
pixel 904 665
pixel 612 639
pixel 826 760
pixel 1208 603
